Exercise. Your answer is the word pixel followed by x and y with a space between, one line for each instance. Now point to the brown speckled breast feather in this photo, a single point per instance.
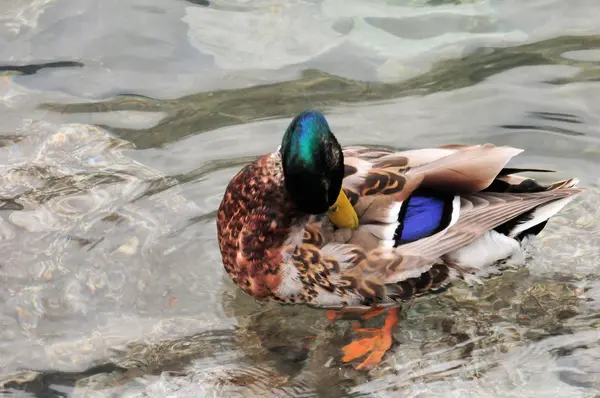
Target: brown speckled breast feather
pixel 253 222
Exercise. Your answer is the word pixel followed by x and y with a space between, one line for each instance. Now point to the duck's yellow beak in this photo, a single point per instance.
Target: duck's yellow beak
pixel 342 213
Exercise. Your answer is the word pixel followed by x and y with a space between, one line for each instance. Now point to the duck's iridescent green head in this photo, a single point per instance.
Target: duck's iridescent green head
pixel 313 163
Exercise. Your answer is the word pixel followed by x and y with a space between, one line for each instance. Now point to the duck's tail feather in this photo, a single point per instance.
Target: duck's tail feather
pixel 533 221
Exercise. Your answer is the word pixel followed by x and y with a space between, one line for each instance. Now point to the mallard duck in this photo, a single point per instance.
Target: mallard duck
pixel 358 229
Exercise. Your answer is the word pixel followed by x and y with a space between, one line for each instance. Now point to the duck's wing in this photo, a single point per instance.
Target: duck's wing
pixel 418 208
pixel 380 182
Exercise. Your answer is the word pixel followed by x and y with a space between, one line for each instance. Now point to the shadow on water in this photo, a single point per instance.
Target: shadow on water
pixel 35 68
pixel 202 112
pixel 551 117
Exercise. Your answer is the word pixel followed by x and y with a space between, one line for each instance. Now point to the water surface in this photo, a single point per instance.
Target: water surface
pixel 121 123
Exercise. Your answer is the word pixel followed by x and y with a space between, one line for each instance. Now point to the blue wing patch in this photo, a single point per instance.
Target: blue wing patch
pixel 423 214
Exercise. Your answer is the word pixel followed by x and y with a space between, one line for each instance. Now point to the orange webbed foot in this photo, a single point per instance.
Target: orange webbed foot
pixel 374 343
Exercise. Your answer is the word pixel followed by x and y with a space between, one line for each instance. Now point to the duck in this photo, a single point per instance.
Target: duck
pixel 363 230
